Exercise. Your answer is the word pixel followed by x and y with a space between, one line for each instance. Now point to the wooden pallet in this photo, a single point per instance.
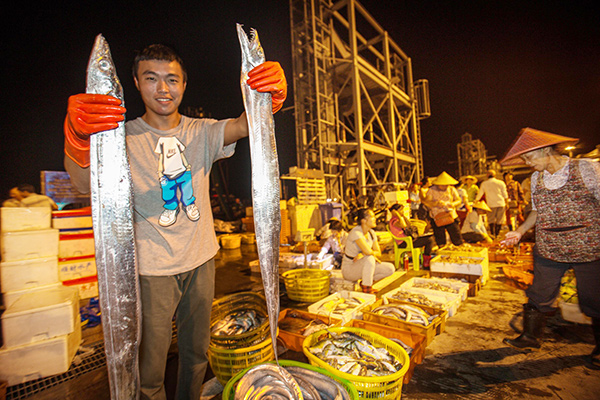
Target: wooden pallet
pixel 311 191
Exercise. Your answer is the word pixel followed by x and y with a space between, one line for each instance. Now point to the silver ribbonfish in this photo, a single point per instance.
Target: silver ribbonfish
pixel 112 217
pixel 265 176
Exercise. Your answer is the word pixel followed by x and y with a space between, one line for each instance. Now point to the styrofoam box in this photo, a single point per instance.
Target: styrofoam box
pixel 462 288
pixel 313 262
pixel 446 301
pixel 10 297
pixel 75 268
pixel 40 315
pixel 27 274
pixel 477 252
pixel 87 287
pixel 288 260
pixel 572 313
pixel 24 218
pixel 345 316
pixel 76 244
pixel 481 268
pixel 72 219
pixel 40 359
pixel 27 245
pixel 398 196
pixel 337 283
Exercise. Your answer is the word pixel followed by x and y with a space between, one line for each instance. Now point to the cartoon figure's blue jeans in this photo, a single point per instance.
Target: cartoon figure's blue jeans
pixel 169 190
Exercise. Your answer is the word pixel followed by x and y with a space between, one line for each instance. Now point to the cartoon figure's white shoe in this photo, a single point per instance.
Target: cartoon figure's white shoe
pixel 168 217
pixel 192 212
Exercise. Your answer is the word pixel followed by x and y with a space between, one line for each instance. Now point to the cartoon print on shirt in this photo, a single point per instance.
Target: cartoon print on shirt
pixel 175 175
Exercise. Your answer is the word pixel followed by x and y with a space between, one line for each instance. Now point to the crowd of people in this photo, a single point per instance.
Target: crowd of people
pixel 561 200
pixel 458 211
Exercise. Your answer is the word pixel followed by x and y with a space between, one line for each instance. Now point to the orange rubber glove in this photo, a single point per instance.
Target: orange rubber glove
pixel 269 77
pixel 88 114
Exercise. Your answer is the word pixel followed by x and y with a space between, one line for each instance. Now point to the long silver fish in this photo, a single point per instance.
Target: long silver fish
pixel 265 176
pixel 266 381
pixel 112 217
pixel 290 382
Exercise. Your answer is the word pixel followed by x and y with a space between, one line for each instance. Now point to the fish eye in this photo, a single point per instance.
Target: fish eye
pixel 104 65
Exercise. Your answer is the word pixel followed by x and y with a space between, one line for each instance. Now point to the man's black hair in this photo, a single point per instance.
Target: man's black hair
pixel 158 52
pixel 26 187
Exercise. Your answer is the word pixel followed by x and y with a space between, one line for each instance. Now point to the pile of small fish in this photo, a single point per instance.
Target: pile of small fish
pixel 435 286
pixel 298 323
pixel 353 354
pixel 406 313
pixel 454 259
pixel 270 381
pixel 341 304
pixel 236 323
pixel 416 298
pixel 463 248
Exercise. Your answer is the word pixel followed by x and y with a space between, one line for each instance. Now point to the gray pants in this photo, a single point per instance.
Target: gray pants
pixel 496 216
pixel 547 276
pixel 189 297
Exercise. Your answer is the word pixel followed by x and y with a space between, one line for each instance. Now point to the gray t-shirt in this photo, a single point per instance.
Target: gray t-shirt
pixel 164 164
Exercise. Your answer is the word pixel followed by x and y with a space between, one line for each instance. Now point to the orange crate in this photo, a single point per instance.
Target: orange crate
pixel 292 340
pixel 473 280
pixel 412 339
pixel 436 327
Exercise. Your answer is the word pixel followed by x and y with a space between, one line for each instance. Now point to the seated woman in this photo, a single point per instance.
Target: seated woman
pixel 473 229
pixel 360 255
pixel 335 242
pixel 400 226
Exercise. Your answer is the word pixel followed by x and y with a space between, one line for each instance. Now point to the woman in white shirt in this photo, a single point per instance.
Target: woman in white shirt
pixel 361 254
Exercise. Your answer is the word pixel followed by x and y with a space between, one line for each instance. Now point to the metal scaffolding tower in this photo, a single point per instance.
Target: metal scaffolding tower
pixel 356 106
pixel 472 156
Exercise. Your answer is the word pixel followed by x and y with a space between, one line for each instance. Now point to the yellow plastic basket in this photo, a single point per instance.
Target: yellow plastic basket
pixel 306 285
pixel 229 390
pixel 225 363
pixel 379 387
pixel 237 302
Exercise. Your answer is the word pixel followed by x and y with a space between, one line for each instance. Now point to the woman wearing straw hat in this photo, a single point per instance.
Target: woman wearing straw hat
pixel 565 198
pixel 443 199
pixel 471 187
pixel 473 229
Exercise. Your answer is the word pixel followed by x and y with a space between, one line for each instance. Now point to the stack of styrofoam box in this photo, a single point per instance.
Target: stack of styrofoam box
pixel 76 262
pixel 41 331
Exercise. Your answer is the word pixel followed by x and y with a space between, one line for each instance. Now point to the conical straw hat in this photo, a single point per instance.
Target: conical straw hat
pixel 531 139
pixel 444 179
pixel 482 205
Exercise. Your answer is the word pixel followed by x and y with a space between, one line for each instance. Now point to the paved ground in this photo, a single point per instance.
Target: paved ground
pixel 467 361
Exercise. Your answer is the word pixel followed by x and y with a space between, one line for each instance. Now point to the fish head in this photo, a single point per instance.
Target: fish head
pixel 102 75
pixel 252 51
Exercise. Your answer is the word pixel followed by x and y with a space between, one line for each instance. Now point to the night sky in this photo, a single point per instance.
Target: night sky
pixel 493 67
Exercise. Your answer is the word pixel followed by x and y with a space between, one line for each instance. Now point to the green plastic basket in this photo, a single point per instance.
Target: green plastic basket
pixel 229 390
pixel 306 285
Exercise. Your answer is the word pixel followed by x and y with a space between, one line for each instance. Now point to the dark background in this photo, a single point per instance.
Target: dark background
pixel 493 67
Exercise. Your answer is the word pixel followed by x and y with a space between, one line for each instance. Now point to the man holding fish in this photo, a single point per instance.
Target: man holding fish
pixel 170 157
